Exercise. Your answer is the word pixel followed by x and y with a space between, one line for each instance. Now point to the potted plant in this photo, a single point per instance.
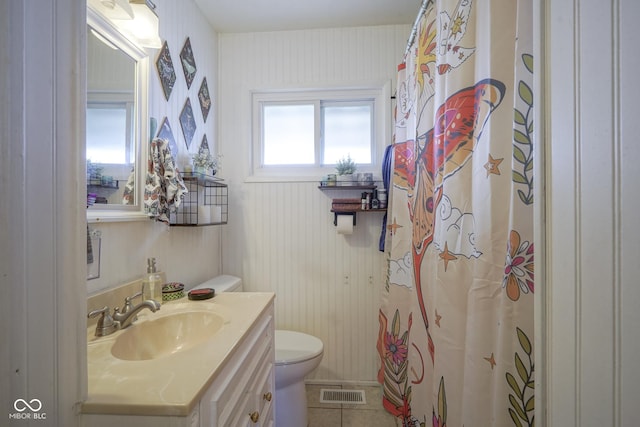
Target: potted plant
pixel 346 168
pixel 203 162
pixel 94 173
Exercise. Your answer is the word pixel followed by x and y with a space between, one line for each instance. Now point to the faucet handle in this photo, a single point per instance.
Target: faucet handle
pixel 106 325
pixel 128 305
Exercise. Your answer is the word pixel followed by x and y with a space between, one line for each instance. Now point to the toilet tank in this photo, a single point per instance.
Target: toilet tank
pixel 222 283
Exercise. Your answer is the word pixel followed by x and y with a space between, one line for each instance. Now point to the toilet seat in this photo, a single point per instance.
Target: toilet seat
pixel 295 347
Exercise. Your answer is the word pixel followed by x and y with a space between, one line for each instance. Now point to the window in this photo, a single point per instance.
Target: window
pixel 304 133
pixel 347 127
pixel 109 133
pixel 288 134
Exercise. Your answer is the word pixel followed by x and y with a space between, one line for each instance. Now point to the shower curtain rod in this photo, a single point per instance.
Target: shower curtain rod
pixel 414 30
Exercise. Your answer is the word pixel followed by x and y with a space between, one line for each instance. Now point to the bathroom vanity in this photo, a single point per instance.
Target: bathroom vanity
pixel 191 364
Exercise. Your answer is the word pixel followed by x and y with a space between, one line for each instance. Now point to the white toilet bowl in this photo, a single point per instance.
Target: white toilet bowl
pixel 297 354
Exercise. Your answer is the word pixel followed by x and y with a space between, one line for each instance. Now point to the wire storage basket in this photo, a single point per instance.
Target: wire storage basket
pixel 207 202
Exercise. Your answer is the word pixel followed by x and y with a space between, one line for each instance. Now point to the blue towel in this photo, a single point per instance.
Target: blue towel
pixel 386 178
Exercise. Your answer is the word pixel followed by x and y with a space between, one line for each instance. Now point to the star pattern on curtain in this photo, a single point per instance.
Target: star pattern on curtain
pixel 492 166
pixel 491 360
pixel 447 256
pixel 393 227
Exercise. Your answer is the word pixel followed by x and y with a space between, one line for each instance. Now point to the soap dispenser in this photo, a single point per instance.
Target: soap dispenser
pixel 152 283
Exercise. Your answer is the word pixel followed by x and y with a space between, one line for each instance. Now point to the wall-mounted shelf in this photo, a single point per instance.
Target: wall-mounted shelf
pixel 348 187
pixel 350 206
pixel 358 210
pixel 207 202
pixel 113 184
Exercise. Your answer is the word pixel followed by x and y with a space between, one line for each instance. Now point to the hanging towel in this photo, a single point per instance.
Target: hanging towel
pixel 164 187
pixel 128 197
pixel 386 178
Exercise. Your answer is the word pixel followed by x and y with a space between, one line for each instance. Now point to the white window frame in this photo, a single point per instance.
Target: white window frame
pixel 378 92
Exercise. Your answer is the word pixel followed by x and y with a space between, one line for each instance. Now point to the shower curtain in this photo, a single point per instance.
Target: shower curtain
pixel 456 320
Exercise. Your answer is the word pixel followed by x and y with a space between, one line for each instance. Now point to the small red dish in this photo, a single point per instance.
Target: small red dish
pixel 201 294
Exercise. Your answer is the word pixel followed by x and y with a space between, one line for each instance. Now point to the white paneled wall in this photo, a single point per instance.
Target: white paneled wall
pixel 326 284
pixel 593 237
pixel 189 255
pixel 280 235
pixel 179 20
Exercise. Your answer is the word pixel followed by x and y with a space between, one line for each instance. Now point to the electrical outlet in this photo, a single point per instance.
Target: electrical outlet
pixel 345 280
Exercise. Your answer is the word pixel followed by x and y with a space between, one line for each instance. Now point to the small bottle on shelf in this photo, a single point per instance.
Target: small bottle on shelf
pixel 375 203
pixel 382 198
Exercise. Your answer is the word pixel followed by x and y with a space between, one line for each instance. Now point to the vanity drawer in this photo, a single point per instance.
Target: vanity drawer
pixel 240 416
pixel 232 398
pixel 265 390
pixel 243 398
pixel 255 408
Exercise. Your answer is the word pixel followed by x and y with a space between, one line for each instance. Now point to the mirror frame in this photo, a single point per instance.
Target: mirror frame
pixel 113 212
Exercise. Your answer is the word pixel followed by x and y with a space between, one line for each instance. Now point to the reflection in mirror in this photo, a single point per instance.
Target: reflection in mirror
pixel 111 76
pixel 116 111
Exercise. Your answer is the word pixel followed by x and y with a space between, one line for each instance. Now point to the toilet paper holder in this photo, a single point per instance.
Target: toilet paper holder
pixel 335 217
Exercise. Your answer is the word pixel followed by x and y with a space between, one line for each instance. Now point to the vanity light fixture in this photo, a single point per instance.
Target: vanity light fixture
pixel 145 24
pixel 117 9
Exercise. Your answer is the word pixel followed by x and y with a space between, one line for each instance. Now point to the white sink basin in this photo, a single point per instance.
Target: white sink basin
pixel 162 363
pixel 166 335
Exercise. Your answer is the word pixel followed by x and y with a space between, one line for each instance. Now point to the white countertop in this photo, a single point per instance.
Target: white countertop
pixel 172 384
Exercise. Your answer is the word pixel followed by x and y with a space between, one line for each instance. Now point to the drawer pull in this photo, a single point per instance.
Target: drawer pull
pixel 267 396
pixel 255 416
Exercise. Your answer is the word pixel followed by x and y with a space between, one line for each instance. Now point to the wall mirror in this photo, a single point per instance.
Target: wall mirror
pixel 116 122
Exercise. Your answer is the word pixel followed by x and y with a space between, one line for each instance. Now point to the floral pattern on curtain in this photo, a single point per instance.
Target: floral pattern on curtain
pixel 456 320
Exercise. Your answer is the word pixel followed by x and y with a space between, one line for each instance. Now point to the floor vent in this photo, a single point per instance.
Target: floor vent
pixel 352 397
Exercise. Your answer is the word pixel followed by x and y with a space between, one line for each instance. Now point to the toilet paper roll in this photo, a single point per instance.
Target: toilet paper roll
pixel 204 215
pixel 216 214
pixel 344 224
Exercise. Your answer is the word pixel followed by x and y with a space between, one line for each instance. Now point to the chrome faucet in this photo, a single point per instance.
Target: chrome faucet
pixel 108 324
pixel 126 319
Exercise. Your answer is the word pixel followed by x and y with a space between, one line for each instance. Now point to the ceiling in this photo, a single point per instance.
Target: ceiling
pixel 239 16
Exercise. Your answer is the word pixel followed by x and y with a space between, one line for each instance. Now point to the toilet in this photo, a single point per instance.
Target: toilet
pixel 297 355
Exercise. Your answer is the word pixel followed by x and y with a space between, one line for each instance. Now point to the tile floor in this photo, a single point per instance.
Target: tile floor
pixel 344 415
